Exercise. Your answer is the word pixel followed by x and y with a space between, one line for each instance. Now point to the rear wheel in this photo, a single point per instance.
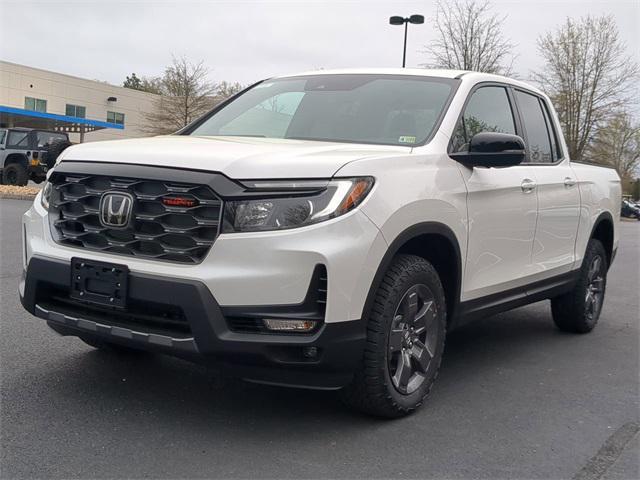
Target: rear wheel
pixel 578 310
pixel 15 174
pixel 405 341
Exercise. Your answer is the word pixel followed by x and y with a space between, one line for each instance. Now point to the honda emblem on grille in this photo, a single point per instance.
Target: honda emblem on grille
pixel 116 209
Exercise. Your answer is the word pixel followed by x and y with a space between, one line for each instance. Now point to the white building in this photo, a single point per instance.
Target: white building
pixel 88 109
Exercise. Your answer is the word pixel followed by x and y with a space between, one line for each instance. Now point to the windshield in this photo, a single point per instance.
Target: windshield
pixel 381 109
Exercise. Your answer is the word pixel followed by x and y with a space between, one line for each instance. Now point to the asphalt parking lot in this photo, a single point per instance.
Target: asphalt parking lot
pixel 515 399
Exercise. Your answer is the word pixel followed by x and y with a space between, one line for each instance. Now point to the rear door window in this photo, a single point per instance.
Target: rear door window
pixel 538 140
pixel 555 145
pixel 47 138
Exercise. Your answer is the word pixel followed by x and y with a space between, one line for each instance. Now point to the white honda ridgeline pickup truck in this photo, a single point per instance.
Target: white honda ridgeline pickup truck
pixel 325 230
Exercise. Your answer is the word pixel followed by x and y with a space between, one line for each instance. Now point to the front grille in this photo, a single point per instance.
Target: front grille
pixel 157 231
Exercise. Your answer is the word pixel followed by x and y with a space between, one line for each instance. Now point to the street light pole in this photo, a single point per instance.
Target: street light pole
pixel 397 20
pixel 404 49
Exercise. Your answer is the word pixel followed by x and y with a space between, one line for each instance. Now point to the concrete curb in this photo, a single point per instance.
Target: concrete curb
pixel 18 196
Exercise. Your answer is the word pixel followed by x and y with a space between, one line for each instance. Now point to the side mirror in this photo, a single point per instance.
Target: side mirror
pixel 491 149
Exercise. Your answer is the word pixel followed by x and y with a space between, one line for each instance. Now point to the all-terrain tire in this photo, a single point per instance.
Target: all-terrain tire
pixel 53 151
pixel 575 311
pixel 373 390
pixel 15 174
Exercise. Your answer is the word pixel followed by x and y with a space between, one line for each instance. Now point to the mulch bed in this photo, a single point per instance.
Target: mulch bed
pixel 18 193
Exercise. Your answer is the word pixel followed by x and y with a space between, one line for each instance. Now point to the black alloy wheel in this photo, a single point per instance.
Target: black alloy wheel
pixel 412 339
pixel 595 288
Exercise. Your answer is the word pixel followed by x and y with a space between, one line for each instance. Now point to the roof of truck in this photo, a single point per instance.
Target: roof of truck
pixel 383 71
pixel 469 75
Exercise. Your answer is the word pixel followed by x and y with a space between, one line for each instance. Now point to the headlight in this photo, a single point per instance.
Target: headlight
pixel 45 195
pixel 309 202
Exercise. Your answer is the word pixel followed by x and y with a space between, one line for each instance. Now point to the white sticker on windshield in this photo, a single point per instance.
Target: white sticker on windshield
pixel 407 139
pixel 263 85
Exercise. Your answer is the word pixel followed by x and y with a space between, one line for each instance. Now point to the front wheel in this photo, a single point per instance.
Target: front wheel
pixel 15 174
pixel 405 341
pixel 578 310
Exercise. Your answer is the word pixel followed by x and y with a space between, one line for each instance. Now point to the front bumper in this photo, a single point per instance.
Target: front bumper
pixel 38 169
pixel 265 358
pixel 243 275
pixel 258 268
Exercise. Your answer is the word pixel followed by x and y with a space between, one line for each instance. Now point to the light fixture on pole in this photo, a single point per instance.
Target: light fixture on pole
pixel 397 20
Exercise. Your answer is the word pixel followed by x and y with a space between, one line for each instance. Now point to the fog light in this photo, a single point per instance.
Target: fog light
pixel 289 325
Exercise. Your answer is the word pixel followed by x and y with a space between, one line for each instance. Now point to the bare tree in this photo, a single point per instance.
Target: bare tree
pixel 469 37
pixel 186 94
pixel 617 143
pixel 588 75
pixel 144 84
pixel 226 89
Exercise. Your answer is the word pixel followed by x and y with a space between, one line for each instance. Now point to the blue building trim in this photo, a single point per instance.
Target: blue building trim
pixel 60 118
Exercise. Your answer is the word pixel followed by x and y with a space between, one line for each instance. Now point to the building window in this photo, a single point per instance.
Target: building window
pixel 76 111
pixel 115 117
pixel 35 104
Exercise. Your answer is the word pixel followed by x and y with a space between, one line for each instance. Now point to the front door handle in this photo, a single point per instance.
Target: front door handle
pixel 569 182
pixel 528 185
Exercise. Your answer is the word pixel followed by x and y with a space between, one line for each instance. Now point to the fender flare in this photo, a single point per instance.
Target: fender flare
pixel 604 216
pixel 23 160
pixel 424 228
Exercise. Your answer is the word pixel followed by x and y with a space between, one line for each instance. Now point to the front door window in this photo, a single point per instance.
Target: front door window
pixel 488 110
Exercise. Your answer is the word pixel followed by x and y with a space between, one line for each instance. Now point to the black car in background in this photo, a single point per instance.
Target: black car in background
pixel 630 209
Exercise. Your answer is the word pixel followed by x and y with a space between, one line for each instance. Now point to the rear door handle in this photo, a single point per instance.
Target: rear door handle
pixel 528 185
pixel 569 182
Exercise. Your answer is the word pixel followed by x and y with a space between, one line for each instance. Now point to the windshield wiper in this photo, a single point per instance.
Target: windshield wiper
pixel 312 139
pixel 342 140
pixel 245 135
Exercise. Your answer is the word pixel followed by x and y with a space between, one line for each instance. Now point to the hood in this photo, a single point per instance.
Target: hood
pixel 236 157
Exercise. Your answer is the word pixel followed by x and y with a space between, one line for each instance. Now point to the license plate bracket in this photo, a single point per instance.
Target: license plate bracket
pixel 100 283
